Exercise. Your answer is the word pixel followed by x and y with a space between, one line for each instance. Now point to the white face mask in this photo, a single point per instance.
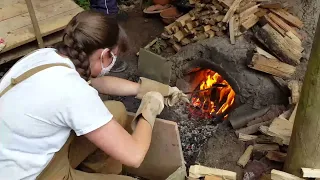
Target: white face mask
pixel 106 70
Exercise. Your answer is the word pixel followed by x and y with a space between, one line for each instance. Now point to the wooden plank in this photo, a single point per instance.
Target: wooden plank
pixel 243 160
pixel 6 3
pixel 281 127
pixel 29 47
pixel 232 10
pixel 283 25
pixel 197 171
pixel 288 17
pixel 231 30
pixel 271 66
pixel 280 175
pixel 310 173
pixel 21 8
pixel 246 6
pixel 8 25
pixel 24 35
pixel 165 153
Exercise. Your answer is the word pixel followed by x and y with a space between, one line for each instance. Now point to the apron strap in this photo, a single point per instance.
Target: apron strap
pixel 29 73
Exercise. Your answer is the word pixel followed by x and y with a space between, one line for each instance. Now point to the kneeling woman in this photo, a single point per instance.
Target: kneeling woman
pixel 52 118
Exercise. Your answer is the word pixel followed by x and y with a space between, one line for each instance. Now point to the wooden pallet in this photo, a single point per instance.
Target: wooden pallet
pixel 17 29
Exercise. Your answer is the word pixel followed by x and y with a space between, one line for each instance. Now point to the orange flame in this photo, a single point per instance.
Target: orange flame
pixel 214 101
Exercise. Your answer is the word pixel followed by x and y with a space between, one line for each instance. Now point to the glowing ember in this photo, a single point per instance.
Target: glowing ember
pixel 216 100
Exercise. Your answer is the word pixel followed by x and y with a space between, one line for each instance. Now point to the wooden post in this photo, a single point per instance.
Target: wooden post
pixel 35 23
pixel 304 148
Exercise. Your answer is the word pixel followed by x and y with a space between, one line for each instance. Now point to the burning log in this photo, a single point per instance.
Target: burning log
pixel 245 157
pixel 240 121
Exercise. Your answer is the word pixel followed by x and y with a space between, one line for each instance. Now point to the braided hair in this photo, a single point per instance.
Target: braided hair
pixel 86 32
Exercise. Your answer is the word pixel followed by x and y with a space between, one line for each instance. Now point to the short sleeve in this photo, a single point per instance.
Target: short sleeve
pixel 85 111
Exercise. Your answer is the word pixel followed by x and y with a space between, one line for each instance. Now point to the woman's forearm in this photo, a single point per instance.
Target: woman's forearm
pixel 115 86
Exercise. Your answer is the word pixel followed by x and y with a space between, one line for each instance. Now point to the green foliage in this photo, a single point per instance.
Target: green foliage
pixel 85 4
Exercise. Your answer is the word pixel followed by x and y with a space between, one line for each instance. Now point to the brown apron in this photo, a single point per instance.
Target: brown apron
pixel 78 149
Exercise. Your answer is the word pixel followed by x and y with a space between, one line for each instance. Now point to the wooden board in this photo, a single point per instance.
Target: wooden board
pixel 26 34
pixel 165 152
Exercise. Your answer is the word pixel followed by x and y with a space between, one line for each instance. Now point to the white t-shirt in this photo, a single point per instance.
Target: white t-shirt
pixel 37 115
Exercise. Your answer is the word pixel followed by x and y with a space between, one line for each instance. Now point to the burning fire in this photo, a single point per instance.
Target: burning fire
pixel 216 99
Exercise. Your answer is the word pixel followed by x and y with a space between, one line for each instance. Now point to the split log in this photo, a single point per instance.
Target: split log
pixel 165 36
pixel 243 160
pixel 219 18
pixel 280 175
pixel 283 25
pixel 288 17
pixel 246 137
pixel 286 115
pixel 181 21
pixel 197 171
pixel 178 36
pixel 246 14
pixel 296 46
pixel 294 87
pixel 254 128
pixel 261 12
pixel 281 127
pixel 271 66
pixel 185 41
pixel 149 45
pixel 265 130
pixel 246 6
pixel 195 23
pixel 168 30
pixel 265 53
pixel 226 3
pixel 217 5
pixel 189 25
pixel 310 173
pixel 185 31
pixel 294 37
pixel 206 28
pixel 219 33
pixel 282 84
pixel 231 10
pixel 250 22
pixel 240 121
pixel 176 47
pixel 192 2
pixel 266 147
pixel 271 5
pixel 175 29
pixel 273 112
pixel 276 156
pixel 210 33
pixel 276 43
pixel 274 25
pixel 262 139
pixel 293 115
pixel 231 31
pixel 212 22
pixel 215 28
pixel 212 177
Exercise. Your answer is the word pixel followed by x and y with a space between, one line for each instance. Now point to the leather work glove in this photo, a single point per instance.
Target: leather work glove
pixel 152 104
pixel 172 94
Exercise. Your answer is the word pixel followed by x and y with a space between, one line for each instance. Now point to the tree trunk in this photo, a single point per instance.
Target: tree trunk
pixel 304 148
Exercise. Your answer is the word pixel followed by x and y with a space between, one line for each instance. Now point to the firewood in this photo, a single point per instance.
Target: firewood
pixel 231 10
pixel 310 173
pixel 271 66
pixel 261 12
pixel 206 28
pixel 196 23
pixel 219 18
pixel 264 53
pixel 283 25
pixel 185 31
pixel 266 147
pixel 296 46
pixel 293 37
pixel 295 89
pixel 189 26
pixel 276 156
pixel 274 25
pixel 271 5
pixel 199 37
pixel 204 13
pixel 212 177
pixel 281 127
pixel 220 24
pixel 181 21
pixel 226 3
pixel 193 31
pixel 254 128
pixel 237 31
pixel 168 29
pixel 217 5
pixel 288 17
pixel 265 130
pixel 192 1
pixel 273 112
pixel 212 22
pixel 239 121
pixel 176 47
pixel 280 175
pixel 197 171
pixel 277 44
pixel 149 45
pixel 165 36
pixel 175 29
pixel 185 41
pixel 282 84
pixel 293 114
pixel 251 21
pixel 215 28
pixel 210 33
pixel 246 137
pixel 231 31
pixel 243 160
pixel 246 6
pixel 247 13
pixel 219 33
pixel 262 139
pixel 171 41
pixel 178 36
